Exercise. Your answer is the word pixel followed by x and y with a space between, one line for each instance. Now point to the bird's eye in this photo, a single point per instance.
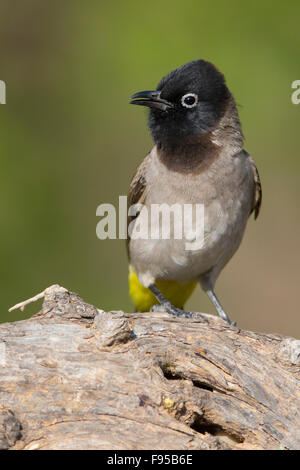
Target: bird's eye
pixel 189 100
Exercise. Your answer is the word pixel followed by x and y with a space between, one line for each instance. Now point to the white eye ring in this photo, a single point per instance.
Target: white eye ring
pixel 193 95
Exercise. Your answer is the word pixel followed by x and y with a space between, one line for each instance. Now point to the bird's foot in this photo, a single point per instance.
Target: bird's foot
pixel 219 307
pixel 176 312
pixel 226 318
pixel 158 308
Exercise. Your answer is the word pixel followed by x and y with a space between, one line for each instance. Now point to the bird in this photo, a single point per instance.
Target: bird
pixel 197 158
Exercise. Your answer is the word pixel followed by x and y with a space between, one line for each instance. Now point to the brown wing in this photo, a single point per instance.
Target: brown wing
pixel 137 189
pixel 258 191
pixel 137 186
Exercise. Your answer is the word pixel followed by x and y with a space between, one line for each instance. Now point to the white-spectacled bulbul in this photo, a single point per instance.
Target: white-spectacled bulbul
pixel 198 158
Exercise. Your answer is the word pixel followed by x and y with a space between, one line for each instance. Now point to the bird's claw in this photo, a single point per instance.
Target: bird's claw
pixel 176 312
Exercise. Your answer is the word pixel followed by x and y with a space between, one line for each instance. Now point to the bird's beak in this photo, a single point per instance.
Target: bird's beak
pixel 151 99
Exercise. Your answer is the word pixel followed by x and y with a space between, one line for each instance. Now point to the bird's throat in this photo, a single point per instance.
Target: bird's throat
pixel 191 155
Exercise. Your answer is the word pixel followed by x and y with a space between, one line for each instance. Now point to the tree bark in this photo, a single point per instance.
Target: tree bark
pixel 75 377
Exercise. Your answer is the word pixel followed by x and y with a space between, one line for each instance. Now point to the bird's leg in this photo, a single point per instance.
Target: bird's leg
pixel 168 307
pixel 219 307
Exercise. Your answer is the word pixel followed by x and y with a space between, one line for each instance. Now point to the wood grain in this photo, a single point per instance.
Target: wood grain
pixel 75 377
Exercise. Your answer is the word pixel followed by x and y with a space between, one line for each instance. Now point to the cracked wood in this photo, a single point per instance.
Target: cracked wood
pixel 75 377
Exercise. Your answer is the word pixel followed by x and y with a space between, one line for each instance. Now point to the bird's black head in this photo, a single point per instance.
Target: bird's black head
pixel 187 103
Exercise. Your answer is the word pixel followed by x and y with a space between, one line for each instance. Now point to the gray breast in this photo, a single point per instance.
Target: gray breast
pixel 225 189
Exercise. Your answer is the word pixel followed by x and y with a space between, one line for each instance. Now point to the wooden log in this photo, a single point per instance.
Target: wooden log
pixel 75 377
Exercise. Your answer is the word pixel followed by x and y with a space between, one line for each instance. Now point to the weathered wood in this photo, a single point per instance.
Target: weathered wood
pixel 74 377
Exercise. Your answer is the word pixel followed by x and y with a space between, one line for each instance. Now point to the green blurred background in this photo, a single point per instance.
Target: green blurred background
pixel 69 141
